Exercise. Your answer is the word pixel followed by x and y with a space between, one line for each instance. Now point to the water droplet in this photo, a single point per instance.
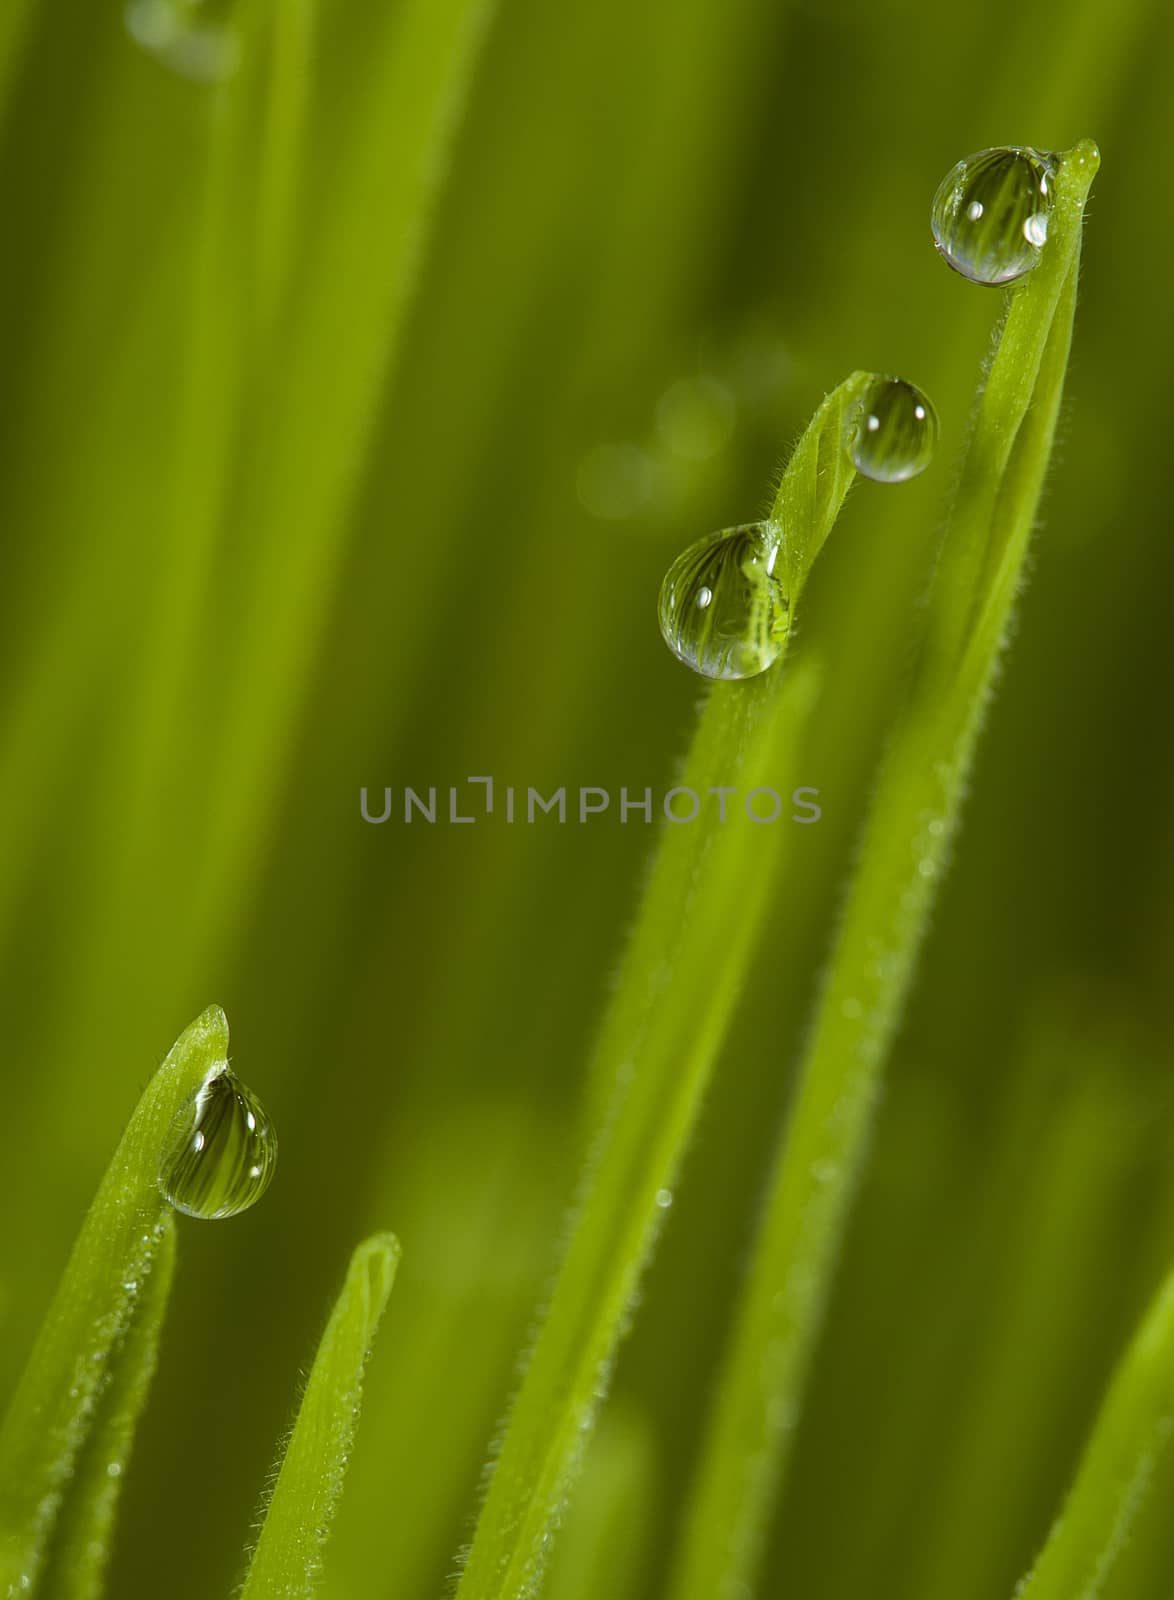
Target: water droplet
pixel 722 609
pixel 664 1198
pixel 195 38
pixel 219 1156
pixel 892 432
pixel 990 214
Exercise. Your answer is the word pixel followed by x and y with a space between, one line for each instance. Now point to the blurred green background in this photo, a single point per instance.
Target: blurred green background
pixel 362 468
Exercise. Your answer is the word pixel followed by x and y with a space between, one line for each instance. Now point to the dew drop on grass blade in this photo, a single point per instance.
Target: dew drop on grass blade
pixel 74 1381
pixel 914 814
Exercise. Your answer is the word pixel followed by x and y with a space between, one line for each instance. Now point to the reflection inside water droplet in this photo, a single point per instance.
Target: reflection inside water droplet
pixel 892 432
pixel 722 610
pixel 990 213
pixel 219 1156
pixel 1035 229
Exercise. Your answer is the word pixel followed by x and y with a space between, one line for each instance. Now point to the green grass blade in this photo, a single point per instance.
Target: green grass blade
pixel 735 732
pixel 604 1545
pixel 15 20
pixel 343 334
pixel 87 1335
pixel 1132 1433
pixel 914 814
pixel 816 482
pixel 1061 1191
pixel 1003 473
pixel 287 1558
pixel 682 976
pixel 291 26
pixel 80 1550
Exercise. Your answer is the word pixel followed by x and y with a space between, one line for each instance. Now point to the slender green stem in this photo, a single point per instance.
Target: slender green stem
pixel 682 975
pixel 287 1560
pixel 89 1368
pixel 79 1552
pixel 914 815
pixel 1132 1433
pixel 734 735
pixel 291 34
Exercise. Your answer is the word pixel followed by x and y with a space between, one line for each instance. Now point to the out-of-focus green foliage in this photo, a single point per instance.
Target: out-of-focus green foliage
pixel 1083 1555
pixel 350 419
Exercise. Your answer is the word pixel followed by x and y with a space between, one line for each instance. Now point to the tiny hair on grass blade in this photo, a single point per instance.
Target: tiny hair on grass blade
pixel 287 1558
pixel 103 1315
pixel 679 983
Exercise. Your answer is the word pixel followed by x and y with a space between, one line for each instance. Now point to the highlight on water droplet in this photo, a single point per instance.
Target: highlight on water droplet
pixel 990 213
pixel 194 38
pixel 723 611
pixel 220 1153
pixel 892 432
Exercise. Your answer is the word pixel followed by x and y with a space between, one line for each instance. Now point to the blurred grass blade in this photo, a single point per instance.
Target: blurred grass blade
pixel 1131 1434
pixel 291 25
pixel 604 1545
pixel 1062 1192
pixel 15 21
pixel 342 335
pixel 681 979
pixel 77 1366
pixel 915 811
pixel 80 1549
pixel 287 1559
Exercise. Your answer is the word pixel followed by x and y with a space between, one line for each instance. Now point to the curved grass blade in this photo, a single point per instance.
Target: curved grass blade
pixel 737 720
pixel 287 1558
pixel 80 1548
pixel 88 1363
pixel 1132 1432
pixel 682 975
pixel 914 815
